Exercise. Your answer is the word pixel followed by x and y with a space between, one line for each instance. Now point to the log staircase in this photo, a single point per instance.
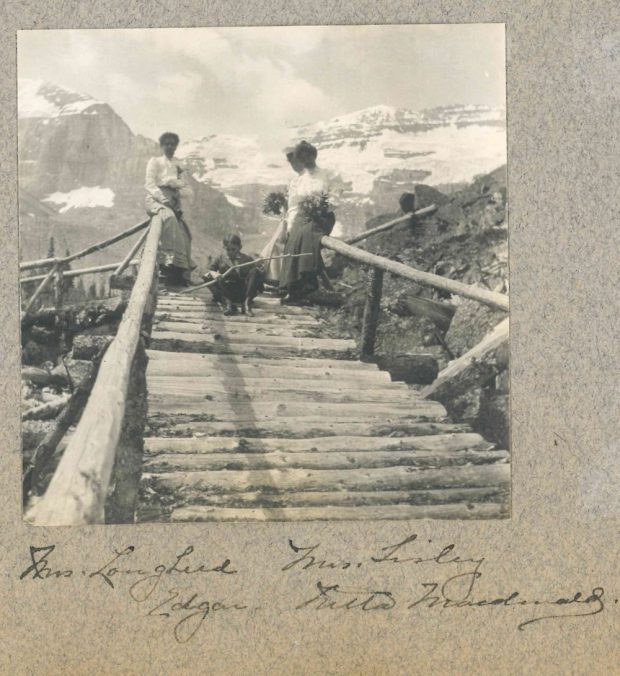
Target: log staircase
pixel 265 418
pixel 255 418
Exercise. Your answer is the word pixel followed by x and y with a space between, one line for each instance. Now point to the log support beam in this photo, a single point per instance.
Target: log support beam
pixel 371 311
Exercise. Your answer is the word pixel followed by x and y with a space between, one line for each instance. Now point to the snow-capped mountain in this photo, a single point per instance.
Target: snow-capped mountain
pixel 378 153
pixel 39 99
pixel 442 145
pixel 78 157
pixel 83 165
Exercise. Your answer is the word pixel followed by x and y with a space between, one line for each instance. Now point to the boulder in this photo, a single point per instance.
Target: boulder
pixel 34 353
pixel 411 368
pixel 493 420
pixel 75 369
pixel 471 322
pixel 88 347
pixel 33 433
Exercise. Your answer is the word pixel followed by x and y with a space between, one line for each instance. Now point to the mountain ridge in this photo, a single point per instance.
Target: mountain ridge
pixel 76 148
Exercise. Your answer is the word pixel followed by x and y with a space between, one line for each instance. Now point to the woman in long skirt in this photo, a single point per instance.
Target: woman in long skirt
pixel 300 272
pixel 279 206
pixel 165 186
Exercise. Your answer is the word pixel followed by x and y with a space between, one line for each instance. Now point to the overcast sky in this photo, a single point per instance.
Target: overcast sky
pixel 255 81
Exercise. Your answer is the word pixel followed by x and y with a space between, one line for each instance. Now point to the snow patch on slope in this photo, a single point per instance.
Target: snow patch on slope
pixel 235 201
pixel 82 198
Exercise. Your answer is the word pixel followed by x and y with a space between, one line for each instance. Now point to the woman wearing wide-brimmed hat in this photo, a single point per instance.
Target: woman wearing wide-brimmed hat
pixel 165 186
pixel 309 218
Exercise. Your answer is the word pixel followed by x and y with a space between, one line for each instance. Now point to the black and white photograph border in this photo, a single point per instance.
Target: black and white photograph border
pixel 264 274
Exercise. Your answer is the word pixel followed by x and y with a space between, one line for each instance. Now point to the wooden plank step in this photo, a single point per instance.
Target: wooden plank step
pixel 211 335
pixel 261 316
pixel 232 410
pixel 436 443
pixel 239 321
pixel 186 342
pixel 376 512
pixel 227 328
pixel 232 378
pixel 284 310
pixel 288 480
pixel 207 299
pixel 239 390
pixel 438 496
pixel 221 361
pixel 303 428
pixel 349 460
pixel 181 302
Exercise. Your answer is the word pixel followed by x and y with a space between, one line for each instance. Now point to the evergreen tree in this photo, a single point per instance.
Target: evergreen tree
pixel 68 283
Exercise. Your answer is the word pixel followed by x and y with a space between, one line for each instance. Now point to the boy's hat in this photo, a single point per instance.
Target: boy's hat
pixel 232 239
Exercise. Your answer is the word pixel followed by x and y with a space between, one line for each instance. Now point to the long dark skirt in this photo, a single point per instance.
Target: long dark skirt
pixel 175 245
pixel 299 275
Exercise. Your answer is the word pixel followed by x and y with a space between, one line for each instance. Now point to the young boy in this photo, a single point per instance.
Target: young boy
pixel 240 286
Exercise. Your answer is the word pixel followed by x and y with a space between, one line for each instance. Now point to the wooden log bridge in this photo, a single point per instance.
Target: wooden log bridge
pixel 263 418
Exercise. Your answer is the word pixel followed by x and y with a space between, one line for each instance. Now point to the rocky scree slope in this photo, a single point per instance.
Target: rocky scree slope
pixel 466 240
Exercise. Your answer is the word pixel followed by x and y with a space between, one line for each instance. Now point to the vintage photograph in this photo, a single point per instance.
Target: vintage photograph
pixel 264 274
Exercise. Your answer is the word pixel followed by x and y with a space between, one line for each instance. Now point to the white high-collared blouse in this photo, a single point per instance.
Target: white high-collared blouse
pixel 311 182
pixel 161 171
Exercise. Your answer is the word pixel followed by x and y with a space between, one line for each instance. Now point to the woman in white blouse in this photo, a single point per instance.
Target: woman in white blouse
pixel 165 186
pixel 276 244
pixel 300 272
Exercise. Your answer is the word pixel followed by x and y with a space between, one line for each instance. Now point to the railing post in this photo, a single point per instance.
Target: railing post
pixel 371 311
pixel 59 294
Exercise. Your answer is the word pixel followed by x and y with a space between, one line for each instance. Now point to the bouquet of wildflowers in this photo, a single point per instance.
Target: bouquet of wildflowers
pixel 275 203
pixel 317 208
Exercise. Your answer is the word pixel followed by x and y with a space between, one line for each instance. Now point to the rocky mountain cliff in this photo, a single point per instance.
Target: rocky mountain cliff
pixel 82 168
pixel 81 176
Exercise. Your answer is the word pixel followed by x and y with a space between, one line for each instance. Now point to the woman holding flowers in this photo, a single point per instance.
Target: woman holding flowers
pixel 276 204
pixel 310 216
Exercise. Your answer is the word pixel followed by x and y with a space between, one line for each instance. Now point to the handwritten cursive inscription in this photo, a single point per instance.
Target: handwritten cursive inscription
pixel 189 609
pixel 449 580
pixel 186 589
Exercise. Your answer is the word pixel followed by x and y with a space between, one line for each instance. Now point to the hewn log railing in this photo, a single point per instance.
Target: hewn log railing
pixel 379 264
pixel 78 490
pixel 498 301
pixel 108 267
pixel 118 271
pixel 426 211
pixel 99 246
pixel 58 265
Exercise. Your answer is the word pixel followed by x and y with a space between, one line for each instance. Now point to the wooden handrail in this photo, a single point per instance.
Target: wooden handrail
pixel 426 211
pixel 47 262
pixel 41 263
pixel 77 492
pixel 491 298
pixel 130 254
pixel 46 279
pixel 107 242
pixel 80 271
